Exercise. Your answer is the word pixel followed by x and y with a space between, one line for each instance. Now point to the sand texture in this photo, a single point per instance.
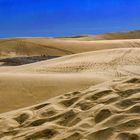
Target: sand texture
pixel 107 111
pixel 47 79
pixel 70 88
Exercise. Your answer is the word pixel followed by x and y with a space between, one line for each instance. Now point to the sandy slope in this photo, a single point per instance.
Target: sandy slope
pixel 91 94
pixel 46 79
pixel 22 90
pixel 108 111
pixel 112 62
pixel 58 47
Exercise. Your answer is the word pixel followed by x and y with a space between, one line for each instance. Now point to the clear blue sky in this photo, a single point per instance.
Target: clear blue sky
pixel 67 17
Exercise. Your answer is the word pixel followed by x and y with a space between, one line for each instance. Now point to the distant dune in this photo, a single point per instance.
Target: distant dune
pixel 58 47
pixel 108 36
pixel 67 46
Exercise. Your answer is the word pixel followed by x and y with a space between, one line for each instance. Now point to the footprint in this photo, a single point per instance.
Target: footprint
pixel 67 118
pixel 99 94
pixel 69 102
pixel 37 122
pixel 40 106
pixel 133 80
pixel 127 136
pixel 46 134
pixel 85 105
pixel 102 115
pixel 22 118
pixel 129 125
pixel 74 136
pixel 134 109
pixel 103 134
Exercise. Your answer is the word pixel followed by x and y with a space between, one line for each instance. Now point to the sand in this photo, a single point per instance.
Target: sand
pixel 91 92
pixel 59 47
pixel 22 90
pixel 107 111
pixel 111 62
pixel 107 36
pixel 47 79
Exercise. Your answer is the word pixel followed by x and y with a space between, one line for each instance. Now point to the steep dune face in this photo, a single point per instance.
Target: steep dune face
pixel 108 111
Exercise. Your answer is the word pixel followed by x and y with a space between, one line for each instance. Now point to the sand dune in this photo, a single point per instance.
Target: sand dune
pixel 113 62
pixel 22 90
pixel 119 35
pixel 107 36
pixel 92 92
pixel 58 47
pixel 46 79
pixel 108 111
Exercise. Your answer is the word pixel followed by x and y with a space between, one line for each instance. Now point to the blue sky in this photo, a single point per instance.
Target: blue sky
pixel 67 17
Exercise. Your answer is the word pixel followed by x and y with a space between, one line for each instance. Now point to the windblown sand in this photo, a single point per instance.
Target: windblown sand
pixel 92 92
